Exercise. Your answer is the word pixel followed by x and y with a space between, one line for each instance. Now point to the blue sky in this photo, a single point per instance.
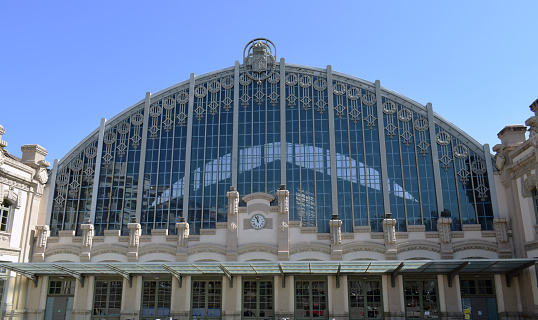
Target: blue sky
pixel 64 65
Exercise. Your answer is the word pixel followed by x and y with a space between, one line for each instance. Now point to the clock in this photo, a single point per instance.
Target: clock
pixel 257 221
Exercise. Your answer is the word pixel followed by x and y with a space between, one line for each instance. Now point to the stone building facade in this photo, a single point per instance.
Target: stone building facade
pixel 269 190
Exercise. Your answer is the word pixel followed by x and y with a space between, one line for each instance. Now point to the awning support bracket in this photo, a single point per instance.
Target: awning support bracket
pixel 510 275
pixel 338 276
pixel 176 274
pixel 395 274
pixel 76 275
pixel 452 274
pixel 228 274
pixel 123 273
pixel 31 276
pixel 283 275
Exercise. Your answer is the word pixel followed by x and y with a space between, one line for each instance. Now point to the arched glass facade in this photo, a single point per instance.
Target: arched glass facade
pixel 339 144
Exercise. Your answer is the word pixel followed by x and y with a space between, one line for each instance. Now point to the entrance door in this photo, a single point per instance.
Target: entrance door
pixel 478 298
pixel 311 299
pixel 60 300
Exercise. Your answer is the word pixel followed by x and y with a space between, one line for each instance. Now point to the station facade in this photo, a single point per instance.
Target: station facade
pixel 269 190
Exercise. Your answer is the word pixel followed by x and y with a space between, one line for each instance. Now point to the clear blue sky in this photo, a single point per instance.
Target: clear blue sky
pixel 64 65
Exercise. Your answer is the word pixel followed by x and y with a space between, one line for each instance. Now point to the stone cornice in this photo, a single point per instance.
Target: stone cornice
pixel 15 180
pixel 108 249
pixel 258 195
pixel 257 248
pixel 522 166
pixel 62 250
pixel 19 165
pixel 418 245
pixel 474 245
pixel 206 248
pixel 157 248
pixel 363 246
pixel 520 149
pixel 305 247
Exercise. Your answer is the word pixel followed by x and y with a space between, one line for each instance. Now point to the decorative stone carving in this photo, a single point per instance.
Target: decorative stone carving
pixel 12 197
pixel 42 235
pixel 259 59
pixel 232 226
pixel 528 184
pixel 87 235
pixel 283 201
pixel 3 144
pixel 500 161
pixel 336 231
pixel 389 230
pixel 233 201
pixel 283 226
pixel 501 229
pixel 183 234
pixel 134 234
pixel 443 227
pixel 41 173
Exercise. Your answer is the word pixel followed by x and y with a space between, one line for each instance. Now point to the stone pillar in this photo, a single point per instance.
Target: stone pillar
pixel 134 238
pixel 232 233
pixel 500 226
pixel 181 299
pixel 183 232
pixel 336 238
pixel 42 233
pixel 87 241
pixel 445 237
pixel 283 224
pixel 82 304
pixel 231 298
pixel 389 231
pixel 131 298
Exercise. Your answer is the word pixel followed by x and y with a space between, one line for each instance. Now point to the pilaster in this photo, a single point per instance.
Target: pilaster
pixel 283 150
pixel 142 162
pixel 233 223
pixel 87 241
pixel 52 187
pixel 500 225
pixel 336 238
pixel 182 240
pixel 382 147
pixel 435 159
pixel 96 172
pixel 332 141
pixel 283 224
pixel 188 146
pixel 491 181
pixel 235 132
pixel 445 237
pixel 389 231
pixel 134 240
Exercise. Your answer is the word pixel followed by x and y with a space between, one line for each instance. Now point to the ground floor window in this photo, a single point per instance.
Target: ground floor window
pixel 365 298
pixel 60 299
pixel 107 299
pixel 156 299
pixel 258 299
pixel 206 299
pixel 478 297
pixel 311 299
pixel 421 299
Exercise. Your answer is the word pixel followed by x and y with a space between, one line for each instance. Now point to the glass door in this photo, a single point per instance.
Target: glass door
pixel 311 299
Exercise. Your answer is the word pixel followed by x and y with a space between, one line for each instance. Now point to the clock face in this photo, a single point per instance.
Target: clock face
pixel 257 221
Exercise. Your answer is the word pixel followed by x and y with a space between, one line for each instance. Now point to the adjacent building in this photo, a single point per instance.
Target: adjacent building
pixel 270 190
